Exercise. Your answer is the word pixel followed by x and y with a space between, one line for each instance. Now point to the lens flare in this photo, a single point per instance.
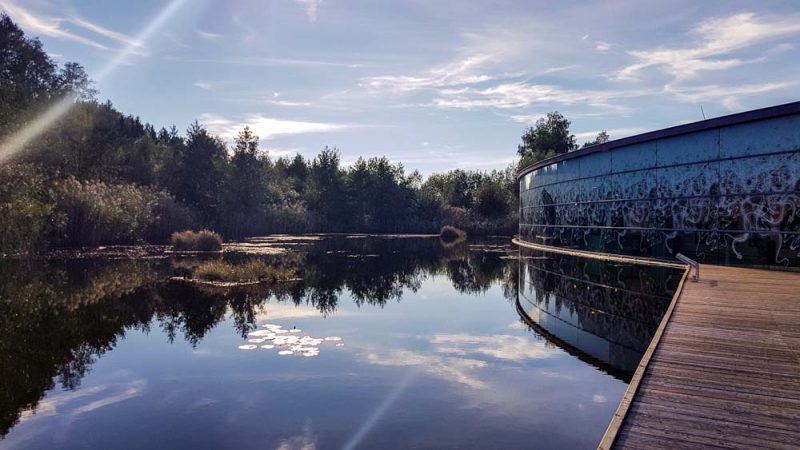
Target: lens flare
pixel 18 140
pixel 382 408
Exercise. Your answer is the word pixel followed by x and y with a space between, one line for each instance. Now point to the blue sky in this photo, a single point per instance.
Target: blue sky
pixel 436 85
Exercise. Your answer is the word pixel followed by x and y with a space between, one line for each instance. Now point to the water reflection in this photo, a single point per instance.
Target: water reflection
pixel 604 313
pixel 58 317
pixel 429 336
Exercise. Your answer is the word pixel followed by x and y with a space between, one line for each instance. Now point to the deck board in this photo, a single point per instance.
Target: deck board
pixel 726 370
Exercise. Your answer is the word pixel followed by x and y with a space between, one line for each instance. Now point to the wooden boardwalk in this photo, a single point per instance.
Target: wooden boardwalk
pixel 725 372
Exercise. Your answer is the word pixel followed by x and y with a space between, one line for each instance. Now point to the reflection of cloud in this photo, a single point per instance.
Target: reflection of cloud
pixel 450 368
pixel 275 311
pixel 458 357
pixel 114 393
pixel 133 389
pixel 499 346
pixel 305 441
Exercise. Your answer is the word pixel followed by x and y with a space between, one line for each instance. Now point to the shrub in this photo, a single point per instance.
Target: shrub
pixel 451 234
pixel 94 212
pixel 25 209
pixel 255 270
pixel 201 241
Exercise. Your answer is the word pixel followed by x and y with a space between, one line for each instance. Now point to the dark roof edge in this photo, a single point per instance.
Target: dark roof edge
pixel 694 127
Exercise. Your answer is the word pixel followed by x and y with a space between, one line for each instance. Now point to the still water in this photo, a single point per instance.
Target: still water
pixel 382 342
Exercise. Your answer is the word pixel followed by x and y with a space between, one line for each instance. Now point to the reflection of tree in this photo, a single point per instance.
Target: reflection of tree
pixel 57 318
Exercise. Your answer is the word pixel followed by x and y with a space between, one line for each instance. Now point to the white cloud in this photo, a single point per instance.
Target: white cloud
pixel 53 27
pixel 208 35
pixel 602 46
pixel 110 34
pixel 523 94
pixel 728 96
pixel 203 85
pixel 264 127
pixel 614 133
pixel 44 26
pixel 718 38
pixel 453 74
pixel 311 7
pixel 257 61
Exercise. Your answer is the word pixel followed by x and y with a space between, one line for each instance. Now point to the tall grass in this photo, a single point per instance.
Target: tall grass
pixel 201 241
pixel 93 212
pixel 250 271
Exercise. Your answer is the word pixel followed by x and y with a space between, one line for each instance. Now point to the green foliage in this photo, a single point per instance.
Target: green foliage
pixel 547 138
pixel 199 153
pixel 492 200
pixel 244 207
pixel 25 208
pixel 602 138
pixel 93 212
pixel 30 79
pixel 254 270
pixel 200 241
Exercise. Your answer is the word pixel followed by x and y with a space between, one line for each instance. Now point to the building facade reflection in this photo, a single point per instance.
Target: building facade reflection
pixel 604 312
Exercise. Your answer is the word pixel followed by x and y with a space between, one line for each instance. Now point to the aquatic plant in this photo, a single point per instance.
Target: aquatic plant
pixel 255 270
pixel 200 241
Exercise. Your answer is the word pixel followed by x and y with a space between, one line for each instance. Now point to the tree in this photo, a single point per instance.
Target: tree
pixel 198 169
pixel 29 79
pixel 245 198
pixel 602 138
pixel 547 138
pixel 326 193
pixel 492 200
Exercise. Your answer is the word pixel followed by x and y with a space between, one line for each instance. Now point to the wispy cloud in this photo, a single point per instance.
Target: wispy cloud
pixel 203 85
pixel 614 133
pixel 523 95
pixel 208 35
pixel 457 73
pixel 728 96
pixel 311 7
pixel 110 34
pixel 259 61
pixel 40 25
pixel 265 127
pixel 602 46
pixel 44 26
pixel 718 38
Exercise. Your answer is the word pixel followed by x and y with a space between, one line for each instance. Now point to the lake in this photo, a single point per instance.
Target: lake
pixel 379 342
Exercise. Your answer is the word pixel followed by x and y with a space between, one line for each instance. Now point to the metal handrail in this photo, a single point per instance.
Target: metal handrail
pixel 692 263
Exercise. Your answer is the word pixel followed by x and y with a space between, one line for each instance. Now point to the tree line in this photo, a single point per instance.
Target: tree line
pixel 99 176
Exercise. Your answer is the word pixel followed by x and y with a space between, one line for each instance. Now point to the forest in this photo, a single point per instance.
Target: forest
pixel 97 176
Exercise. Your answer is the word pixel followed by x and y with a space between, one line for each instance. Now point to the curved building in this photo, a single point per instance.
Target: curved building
pixel 724 190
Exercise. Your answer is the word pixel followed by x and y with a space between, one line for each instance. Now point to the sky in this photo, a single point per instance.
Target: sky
pixel 435 85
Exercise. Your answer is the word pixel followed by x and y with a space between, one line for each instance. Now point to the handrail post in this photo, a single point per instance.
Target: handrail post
pixel 692 263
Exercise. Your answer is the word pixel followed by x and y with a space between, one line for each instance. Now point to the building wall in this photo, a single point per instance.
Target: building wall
pixel 726 195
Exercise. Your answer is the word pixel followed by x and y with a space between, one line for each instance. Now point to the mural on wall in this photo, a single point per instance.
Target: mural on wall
pixel 604 310
pixel 739 210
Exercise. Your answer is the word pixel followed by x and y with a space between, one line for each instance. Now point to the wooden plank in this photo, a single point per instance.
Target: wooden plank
pixel 725 370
